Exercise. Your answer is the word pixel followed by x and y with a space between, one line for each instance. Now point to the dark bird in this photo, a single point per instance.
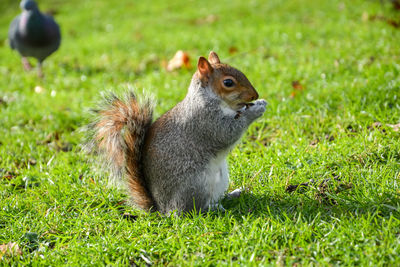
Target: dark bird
pixel 34 34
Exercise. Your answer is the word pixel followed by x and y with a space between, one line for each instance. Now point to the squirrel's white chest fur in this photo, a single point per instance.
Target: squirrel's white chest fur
pixel 216 177
pixel 217 173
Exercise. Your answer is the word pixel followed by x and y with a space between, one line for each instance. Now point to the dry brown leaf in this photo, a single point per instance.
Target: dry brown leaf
pixel 395 127
pixel 180 59
pixel 378 125
pixel 392 22
pixel 10 249
pixel 8 175
pixel 233 50
pixel 375 125
pixel 396 4
pixel 297 88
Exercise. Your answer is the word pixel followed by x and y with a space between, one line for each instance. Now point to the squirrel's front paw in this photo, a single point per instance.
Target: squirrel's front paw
pixel 257 109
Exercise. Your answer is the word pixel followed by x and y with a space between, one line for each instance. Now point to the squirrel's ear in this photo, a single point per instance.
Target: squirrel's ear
pixel 204 67
pixel 213 58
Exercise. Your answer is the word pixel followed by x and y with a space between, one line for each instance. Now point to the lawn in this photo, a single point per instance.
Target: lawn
pixel 330 71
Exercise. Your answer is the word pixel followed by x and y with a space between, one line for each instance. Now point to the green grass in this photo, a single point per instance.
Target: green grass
pixel 60 210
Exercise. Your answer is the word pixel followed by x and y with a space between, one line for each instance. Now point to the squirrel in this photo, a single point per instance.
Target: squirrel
pixel 178 162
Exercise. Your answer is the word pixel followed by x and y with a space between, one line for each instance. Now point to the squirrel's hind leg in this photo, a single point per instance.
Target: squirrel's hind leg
pixel 235 193
pixel 216 207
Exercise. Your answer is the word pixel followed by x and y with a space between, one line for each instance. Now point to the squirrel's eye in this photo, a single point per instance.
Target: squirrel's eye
pixel 229 83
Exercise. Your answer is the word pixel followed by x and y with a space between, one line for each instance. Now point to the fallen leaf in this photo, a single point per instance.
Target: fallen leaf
pixel 8 175
pixel 10 249
pixel 396 4
pixel 120 203
pixel 376 125
pixel 391 22
pixel 233 50
pixel 395 127
pixel 180 59
pixel 297 88
pixel 394 23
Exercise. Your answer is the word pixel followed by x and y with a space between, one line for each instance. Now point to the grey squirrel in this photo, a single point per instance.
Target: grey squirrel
pixel 178 163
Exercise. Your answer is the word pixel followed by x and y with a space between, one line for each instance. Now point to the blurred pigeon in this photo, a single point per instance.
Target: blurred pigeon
pixel 34 34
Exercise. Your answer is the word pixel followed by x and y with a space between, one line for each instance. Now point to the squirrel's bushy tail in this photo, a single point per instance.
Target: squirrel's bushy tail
pixel 118 134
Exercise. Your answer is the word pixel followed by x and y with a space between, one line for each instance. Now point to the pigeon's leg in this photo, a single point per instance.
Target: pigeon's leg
pixel 26 64
pixel 40 71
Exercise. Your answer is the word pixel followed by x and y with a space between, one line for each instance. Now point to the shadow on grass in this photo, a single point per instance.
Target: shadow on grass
pixel 289 206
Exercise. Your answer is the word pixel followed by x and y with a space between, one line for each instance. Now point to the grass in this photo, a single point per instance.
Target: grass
pixel 60 210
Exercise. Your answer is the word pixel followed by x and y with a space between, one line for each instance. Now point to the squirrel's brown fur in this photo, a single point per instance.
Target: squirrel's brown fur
pixel 118 135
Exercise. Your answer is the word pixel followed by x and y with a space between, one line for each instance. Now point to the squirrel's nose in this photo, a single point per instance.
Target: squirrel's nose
pixel 255 96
